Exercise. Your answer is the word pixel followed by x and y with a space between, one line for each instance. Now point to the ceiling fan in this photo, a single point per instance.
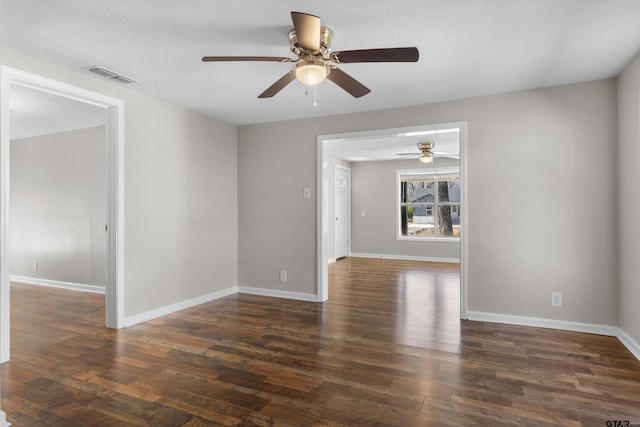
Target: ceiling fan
pixel 315 61
pixel 426 154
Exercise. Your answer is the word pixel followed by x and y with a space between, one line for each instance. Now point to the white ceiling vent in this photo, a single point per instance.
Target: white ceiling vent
pixel 104 72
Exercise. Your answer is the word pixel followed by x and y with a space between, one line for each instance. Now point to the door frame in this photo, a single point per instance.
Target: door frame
pixel 335 204
pixel 322 279
pixel 114 108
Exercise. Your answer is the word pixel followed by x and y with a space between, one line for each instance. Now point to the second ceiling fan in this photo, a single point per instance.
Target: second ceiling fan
pixel 311 43
pixel 426 153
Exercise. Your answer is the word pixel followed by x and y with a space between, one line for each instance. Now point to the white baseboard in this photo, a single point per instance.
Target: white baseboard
pixel 406 257
pixel 629 342
pixel 3 420
pixel 58 284
pixel 612 331
pixel 537 322
pixel 278 293
pixel 173 308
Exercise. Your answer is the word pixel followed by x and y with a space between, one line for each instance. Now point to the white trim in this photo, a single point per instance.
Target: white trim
pixel 331 260
pixel 114 298
pixel 174 308
pixel 544 323
pixel 58 284
pixel 322 225
pixel 406 257
pixel 276 293
pixel 629 342
pixel 426 239
pixel 5 174
pixel 563 325
pixel 3 420
pixel 464 224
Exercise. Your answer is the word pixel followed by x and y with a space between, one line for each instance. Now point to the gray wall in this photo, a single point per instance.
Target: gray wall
pixel 535 161
pixel 629 193
pixel 374 191
pixel 180 185
pixel 58 206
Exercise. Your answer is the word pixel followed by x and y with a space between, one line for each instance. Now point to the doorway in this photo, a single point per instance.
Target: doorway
pixel 342 207
pixel 387 143
pixel 114 113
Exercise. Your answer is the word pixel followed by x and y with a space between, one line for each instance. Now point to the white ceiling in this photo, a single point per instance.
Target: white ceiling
pixel 467 48
pixel 35 113
pixel 395 146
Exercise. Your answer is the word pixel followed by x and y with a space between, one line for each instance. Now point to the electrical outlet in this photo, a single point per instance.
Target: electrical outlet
pixel 283 276
pixel 556 299
pixel 35 265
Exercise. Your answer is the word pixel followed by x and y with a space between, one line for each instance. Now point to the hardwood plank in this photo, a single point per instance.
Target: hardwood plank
pixel 388 348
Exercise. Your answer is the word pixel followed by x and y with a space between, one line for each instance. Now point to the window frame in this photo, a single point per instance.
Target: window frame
pixel 400 173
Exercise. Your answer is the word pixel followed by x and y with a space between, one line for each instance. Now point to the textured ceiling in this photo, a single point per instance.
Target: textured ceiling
pixel 467 48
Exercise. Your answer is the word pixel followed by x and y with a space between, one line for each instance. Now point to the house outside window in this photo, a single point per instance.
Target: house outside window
pixel 428 204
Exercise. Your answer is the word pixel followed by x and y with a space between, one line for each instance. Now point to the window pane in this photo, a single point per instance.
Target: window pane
pixel 417 189
pixel 417 221
pixel 430 205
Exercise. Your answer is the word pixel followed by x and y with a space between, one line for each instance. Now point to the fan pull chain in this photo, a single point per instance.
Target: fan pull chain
pixel 315 95
pixel 306 80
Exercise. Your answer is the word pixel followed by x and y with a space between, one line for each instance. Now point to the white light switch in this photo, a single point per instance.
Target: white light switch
pixel 362 212
pixel 306 193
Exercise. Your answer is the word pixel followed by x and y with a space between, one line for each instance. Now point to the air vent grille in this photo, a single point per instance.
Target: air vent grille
pixel 123 79
pixel 112 75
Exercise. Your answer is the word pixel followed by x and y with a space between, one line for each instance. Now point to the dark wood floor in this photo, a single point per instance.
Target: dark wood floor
pixel 387 349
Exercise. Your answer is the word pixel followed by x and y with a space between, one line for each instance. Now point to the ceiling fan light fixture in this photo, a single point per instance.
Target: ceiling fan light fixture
pixel 311 72
pixel 427 151
pixel 426 158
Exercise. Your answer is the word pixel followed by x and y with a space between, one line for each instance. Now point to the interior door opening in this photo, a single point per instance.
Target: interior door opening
pixel 58 191
pixel 394 141
pixel 342 208
pixel 113 113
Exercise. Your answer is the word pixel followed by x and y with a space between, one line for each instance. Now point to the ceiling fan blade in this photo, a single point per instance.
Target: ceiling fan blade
pixel 278 85
pixel 245 58
pixel 445 154
pixel 394 54
pixel 348 83
pixel 307 30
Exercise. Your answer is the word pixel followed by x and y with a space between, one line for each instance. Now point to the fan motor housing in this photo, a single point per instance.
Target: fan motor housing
pixel 426 146
pixel 326 37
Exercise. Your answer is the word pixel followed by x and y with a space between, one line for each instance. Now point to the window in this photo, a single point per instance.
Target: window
pixel 429 204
